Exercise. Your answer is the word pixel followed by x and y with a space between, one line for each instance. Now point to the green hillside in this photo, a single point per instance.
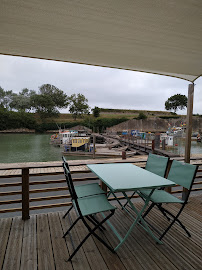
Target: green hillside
pixel 115 113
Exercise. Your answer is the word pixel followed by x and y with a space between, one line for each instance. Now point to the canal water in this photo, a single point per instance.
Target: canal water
pixel 36 148
pixel 29 148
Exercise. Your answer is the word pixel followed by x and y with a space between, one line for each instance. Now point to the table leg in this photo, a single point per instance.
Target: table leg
pixel 139 216
pixel 136 220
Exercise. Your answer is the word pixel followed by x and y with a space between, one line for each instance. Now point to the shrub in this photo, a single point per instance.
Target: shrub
pixel 141 116
pixel 14 120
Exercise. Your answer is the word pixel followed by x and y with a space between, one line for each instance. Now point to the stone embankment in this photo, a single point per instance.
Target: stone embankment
pixel 155 124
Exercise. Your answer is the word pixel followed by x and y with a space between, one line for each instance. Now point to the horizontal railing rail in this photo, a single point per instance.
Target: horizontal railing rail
pixel 28 187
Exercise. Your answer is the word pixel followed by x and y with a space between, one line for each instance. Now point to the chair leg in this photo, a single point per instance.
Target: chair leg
pixel 68 211
pixel 91 232
pixel 163 211
pixel 180 223
pixel 71 227
pixel 97 222
pixel 94 223
pixel 148 210
pixel 173 221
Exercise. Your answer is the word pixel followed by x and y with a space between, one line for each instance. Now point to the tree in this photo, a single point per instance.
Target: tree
pixel 59 98
pixel 5 98
pixel 78 105
pixel 96 112
pixel 175 102
pixel 48 100
pixel 22 101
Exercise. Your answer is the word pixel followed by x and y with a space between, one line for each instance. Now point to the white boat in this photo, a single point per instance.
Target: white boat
pixel 67 135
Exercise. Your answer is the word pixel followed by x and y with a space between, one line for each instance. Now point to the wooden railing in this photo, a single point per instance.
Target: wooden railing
pixel 57 185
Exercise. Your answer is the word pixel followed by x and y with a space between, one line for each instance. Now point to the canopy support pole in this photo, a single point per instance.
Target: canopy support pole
pixel 188 129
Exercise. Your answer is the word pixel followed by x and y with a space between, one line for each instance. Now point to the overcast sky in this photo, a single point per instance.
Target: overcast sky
pixel 103 87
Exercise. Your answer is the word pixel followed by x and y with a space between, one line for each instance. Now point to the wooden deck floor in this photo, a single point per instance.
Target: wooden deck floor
pixel 38 244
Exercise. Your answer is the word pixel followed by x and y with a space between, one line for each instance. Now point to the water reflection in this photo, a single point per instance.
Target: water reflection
pixel 27 148
pixel 179 147
pixel 30 148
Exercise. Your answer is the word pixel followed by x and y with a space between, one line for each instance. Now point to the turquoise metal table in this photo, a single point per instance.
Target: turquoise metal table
pixel 128 177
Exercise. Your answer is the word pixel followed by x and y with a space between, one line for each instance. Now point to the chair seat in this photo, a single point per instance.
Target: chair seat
pixel 160 196
pixel 94 204
pixel 88 190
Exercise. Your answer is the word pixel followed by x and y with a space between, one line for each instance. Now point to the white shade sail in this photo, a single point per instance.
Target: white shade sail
pixel 157 36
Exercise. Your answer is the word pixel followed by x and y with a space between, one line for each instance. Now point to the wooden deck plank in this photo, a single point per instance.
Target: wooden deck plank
pixel 128 260
pixel 80 261
pixel 188 216
pixel 149 247
pixel 13 254
pixel 195 213
pixel 177 232
pixel 89 247
pixel 168 251
pixel 60 250
pixel 179 248
pixel 29 246
pixel 145 258
pixel 189 219
pixel 44 246
pixel 38 244
pixel 132 248
pixel 195 207
pixel 5 226
pixel 113 260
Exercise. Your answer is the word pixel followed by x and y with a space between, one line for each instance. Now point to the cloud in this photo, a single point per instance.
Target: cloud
pixel 104 87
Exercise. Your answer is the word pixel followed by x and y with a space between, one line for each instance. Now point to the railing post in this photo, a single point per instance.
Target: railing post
pixel 94 139
pixel 168 189
pixel 103 186
pixel 188 130
pixel 153 146
pixel 25 193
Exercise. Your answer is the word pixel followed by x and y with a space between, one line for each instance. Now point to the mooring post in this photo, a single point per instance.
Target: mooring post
pixel 163 144
pixel 123 154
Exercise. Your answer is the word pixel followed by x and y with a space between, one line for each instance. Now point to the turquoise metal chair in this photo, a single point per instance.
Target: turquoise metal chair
pixel 155 164
pixel 182 174
pixel 84 190
pixel 85 208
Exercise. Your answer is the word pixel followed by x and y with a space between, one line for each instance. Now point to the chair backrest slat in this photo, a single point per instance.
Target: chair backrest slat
pixel 182 173
pixel 65 162
pixel 157 164
pixel 69 182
